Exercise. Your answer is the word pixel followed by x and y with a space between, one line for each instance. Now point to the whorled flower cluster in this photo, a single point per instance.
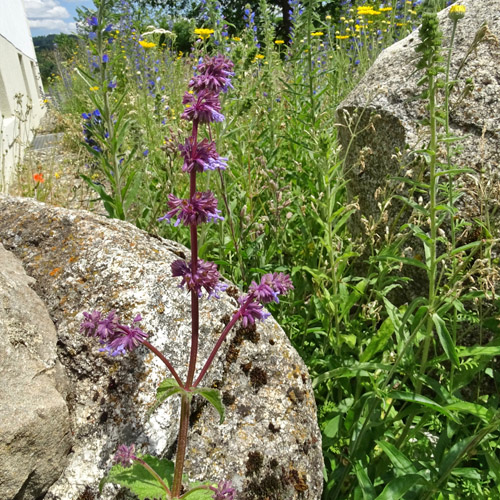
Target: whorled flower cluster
pixel 271 285
pixel 205 277
pixel 201 156
pixel 223 491
pixel 116 338
pixel 201 208
pixel 125 455
pixel 214 74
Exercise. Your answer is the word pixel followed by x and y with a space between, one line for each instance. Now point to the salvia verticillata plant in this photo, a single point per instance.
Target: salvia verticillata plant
pixel 199 278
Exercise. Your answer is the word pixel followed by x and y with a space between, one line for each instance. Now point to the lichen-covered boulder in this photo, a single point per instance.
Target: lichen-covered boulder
pixel 269 445
pixel 380 119
pixel 35 436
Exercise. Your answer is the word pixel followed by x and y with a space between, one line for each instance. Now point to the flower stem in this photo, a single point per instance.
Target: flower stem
pixel 195 327
pixel 154 474
pixel 167 363
pixel 222 337
pixel 195 316
pixel 181 446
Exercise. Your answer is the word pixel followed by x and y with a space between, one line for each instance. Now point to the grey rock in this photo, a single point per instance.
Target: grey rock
pixel 269 445
pixel 35 436
pixel 380 118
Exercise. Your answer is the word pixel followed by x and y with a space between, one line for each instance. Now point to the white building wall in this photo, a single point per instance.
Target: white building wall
pixel 21 107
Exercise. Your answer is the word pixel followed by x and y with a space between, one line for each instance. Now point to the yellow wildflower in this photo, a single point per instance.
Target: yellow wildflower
pixel 203 32
pixel 259 56
pixel 146 45
pixel 385 9
pixel 93 89
pixel 279 42
pixel 236 38
pixel 328 18
pixel 456 12
pixel 317 33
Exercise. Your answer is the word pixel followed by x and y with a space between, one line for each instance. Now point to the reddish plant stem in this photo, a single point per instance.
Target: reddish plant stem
pixel 153 473
pixel 167 363
pixel 181 446
pixel 195 326
pixel 195 316
pixel 222 337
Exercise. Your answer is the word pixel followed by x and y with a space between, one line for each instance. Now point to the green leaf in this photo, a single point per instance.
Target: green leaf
pixel 488 350
pixel 213 397
pixel 201 494
pixel 364 482
pixel 332 428
pixel 139 480
pixel 108 201
pixel 422 400
pixel 445 338
pixel 455 455
pixel 485 414
pixel 399 486
pixel 467 473
pixel 167 388
pixel 401 463
pixel 361 369
pixel 379 341
pixel 458 250
pixel 493 465
pixel 403 260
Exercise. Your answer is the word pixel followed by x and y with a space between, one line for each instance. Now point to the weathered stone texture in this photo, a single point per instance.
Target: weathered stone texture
pixel 380 117
pixel 35 434
pixel 82 262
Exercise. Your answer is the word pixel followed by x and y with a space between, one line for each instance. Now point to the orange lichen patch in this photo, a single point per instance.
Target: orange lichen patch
pixel 55 271
pixel 72 259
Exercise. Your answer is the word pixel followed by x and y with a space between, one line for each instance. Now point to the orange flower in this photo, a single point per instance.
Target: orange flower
pixel 38 178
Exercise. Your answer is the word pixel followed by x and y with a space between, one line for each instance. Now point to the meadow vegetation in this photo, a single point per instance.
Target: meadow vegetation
pixel 407 394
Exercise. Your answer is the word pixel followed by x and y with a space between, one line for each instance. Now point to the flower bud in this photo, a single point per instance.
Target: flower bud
pixel 456 12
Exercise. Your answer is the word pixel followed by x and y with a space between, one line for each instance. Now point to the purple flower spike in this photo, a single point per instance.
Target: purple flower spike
pixel 89 325
pixel 204 107
pixel 214 74
pixel 281 283
pixel 271 285
pixel 106 327
pixel 264 292
pixel 201 156
pixel 125 338
pixel 198 210
pixel 223 491
pixel 251 312
pixel 125 455
pixel 206 277
pixel 116 338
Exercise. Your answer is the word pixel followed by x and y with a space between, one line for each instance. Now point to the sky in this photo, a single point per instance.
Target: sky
pixel 53 16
